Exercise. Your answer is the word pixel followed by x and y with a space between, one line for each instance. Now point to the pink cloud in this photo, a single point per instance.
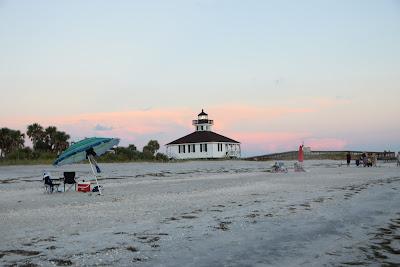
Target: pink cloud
pixel 232 114
pixel 131 126
pixel 168 124
pixel 270 141
pixel 325 102
pixel 326 143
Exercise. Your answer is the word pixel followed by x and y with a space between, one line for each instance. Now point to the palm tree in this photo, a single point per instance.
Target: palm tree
pixel 60 141
pixel 152 146
pixel 50 137
pixel 36 134
pixel 4 133
pixel 10 140
pixel 18 139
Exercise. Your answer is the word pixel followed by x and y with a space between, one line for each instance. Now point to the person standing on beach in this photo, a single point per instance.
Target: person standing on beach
pixel 374 159
pixel 398 158
pixel 364 159
pixel 348 158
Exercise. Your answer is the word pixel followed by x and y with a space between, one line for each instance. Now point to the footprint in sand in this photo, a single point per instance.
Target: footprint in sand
pixel 120 233
pixel 252 215
pixel 132 249
pixel 19 252
pixel 223 226
pixel 189 217
pixel 167 220
pixel 61 262
pixel 136 259
pixel 292 209
pixel 383 245
pixel 215 210
pixel 306 205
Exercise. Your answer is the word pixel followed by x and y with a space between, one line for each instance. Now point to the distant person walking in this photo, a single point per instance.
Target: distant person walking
pixel 398 158
pixel 348 159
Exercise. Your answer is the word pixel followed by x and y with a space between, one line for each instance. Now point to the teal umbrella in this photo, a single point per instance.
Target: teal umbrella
pixel 86 149
pixel 77 152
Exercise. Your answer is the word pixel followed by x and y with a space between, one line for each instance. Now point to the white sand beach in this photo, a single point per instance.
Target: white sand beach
pixel 204 213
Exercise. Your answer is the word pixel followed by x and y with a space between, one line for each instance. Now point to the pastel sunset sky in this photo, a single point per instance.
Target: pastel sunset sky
pixel 271 74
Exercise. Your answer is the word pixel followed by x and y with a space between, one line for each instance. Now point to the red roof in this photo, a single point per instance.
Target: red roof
pixel 203 137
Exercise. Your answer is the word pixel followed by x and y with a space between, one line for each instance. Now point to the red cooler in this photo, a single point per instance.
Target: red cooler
pixel 84 187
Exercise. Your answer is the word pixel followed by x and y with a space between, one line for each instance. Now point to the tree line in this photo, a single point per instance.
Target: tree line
pixel 49 142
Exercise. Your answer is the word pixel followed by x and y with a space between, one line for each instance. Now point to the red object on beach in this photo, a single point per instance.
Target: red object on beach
pixel 301 154
pixel 84 187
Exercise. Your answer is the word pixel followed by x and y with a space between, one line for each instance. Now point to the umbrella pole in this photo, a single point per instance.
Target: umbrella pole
pixel 94 173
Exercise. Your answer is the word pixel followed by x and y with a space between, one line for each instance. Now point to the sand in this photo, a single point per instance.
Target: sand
pixel 206 213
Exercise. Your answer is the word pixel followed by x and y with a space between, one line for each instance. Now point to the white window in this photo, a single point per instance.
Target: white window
pixel 203 147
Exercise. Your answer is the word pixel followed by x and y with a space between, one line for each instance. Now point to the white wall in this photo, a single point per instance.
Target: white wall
pixel 212 151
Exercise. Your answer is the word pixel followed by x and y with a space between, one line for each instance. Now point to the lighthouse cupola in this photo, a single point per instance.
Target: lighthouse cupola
pixel 203 123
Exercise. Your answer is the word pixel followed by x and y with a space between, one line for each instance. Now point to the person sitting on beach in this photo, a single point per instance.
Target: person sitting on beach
pixel 275 167
pixel 48 181
pixel 369 161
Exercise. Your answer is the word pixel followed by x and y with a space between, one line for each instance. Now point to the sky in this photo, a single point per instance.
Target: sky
pixel 271 74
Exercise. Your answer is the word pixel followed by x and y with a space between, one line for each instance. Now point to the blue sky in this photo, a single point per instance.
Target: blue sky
pixel 64 60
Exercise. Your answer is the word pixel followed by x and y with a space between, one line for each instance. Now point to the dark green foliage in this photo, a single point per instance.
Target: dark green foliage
pixel 36 133
pixel 27 153
pixel 161 157
pixel 10 141
pixel 127 154
pixel 132 147
pixel 49 142
pixel 151 147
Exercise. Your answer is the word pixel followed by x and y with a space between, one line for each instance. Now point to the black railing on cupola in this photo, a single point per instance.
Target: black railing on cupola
pixel 195 122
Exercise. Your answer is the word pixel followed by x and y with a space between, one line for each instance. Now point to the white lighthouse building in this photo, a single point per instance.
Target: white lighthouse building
pixel 203 143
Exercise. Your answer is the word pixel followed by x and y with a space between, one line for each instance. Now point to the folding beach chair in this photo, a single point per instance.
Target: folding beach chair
pixel 69 180
pixel 298 167
pixel 49 184
pixel 279 167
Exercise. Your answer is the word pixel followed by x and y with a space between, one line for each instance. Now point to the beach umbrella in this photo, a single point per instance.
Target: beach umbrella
pixel 86 149
pixel 301 154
